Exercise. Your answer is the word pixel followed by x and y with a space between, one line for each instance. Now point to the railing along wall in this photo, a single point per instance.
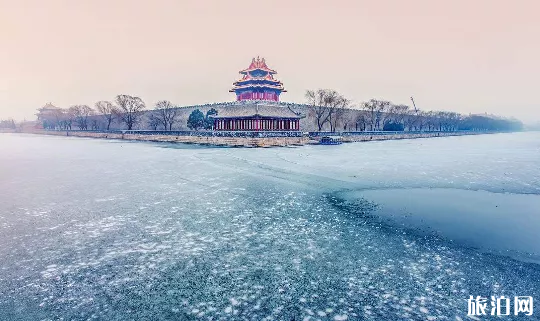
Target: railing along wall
pixel 255 134
pixel 249 134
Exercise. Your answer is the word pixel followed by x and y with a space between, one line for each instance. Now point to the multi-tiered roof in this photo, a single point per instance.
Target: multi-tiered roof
pixel 258 83
pixel 47 110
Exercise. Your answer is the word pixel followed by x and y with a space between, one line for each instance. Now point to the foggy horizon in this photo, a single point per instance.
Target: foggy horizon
pixel 465 57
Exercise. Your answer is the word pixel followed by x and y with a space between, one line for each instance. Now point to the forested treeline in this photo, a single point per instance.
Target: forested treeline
pixel 7 124
pixel 326 108
pixel 125 109
pixel 331 110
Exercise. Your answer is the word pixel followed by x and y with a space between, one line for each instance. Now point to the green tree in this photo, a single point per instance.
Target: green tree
pixel 209 121
pixel 196 120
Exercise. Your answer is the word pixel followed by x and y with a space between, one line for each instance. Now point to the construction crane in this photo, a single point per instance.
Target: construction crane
pixel 415 109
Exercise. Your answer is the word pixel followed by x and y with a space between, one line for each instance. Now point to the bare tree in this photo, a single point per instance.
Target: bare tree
pixel 154 121
pixel 431 120
pixel 420 120
pixel 81 114
pixel 361 121
pixel 348 119
pixel 95 124
pixel 337 111
pixel 370 108
pixel 129 109
pixel 395 114
pixel 374 109
pixel 412 120
pixel 324 103
pixel 65 118
pixel 316 100
pixel 383 107
pixel 59 117
pixel 166 113
pixel 446 121
pixel 107 110
pixel 455 119
pixel 385 115
pixel 8 123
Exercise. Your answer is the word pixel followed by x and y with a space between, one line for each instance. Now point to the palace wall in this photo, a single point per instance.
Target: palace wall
pixel 308 123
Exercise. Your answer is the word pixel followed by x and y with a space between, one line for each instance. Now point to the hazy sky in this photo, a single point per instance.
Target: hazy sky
pixel 462 55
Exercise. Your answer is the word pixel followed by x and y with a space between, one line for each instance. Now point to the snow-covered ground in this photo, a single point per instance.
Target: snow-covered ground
pixel 113 230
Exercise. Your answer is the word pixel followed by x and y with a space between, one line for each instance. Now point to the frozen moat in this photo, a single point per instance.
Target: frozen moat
pixel 395 230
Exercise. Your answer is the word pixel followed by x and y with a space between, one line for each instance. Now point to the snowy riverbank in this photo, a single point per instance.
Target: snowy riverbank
pixel 248 139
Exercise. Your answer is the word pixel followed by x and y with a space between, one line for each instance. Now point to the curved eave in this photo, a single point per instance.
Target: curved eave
pixel 235 89
pixel 248 78
pixel 240 88
pixel 275 83
pixel 258 85
pixel 250 87
pixel 245 71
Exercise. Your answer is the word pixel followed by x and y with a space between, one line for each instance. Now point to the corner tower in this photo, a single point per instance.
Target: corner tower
pixel 258 83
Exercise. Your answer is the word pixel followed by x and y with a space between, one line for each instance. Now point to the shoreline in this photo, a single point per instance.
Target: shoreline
pixel 248 139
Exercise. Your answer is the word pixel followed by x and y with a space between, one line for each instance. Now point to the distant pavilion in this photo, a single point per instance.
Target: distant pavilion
pixel 47 111
pixel 48 116
pixel 259 86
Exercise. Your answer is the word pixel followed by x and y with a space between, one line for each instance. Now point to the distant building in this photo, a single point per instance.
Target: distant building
pixel 258 83
pixel 48 116
pixel 47 109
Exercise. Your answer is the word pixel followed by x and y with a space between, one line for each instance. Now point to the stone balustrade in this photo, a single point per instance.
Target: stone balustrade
pixel 249 139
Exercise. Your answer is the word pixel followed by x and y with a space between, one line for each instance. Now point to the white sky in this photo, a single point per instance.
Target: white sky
pixel 462 55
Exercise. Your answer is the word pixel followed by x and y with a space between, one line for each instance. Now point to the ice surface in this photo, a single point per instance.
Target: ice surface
pixel 502 223
pixel 113 230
